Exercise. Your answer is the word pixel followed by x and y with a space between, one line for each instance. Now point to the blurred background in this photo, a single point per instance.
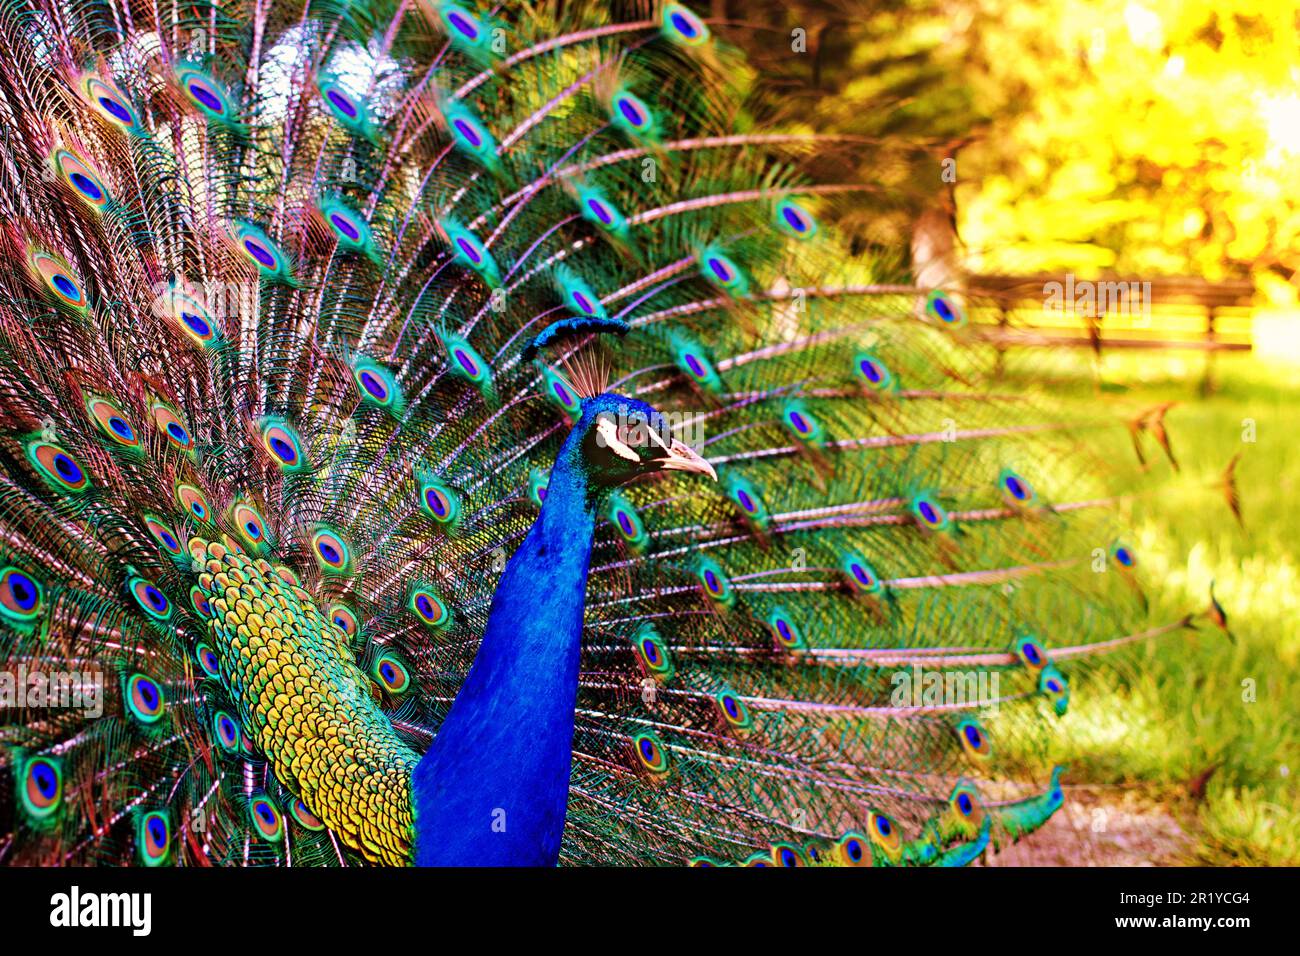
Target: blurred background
pixel 1116 186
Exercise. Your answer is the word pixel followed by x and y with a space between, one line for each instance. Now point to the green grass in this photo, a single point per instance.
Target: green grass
pixel 1165 715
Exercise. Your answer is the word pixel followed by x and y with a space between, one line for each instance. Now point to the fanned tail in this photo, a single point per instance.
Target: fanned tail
pixel 269 431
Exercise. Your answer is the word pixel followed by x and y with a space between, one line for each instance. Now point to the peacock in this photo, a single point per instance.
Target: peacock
pixel 445 434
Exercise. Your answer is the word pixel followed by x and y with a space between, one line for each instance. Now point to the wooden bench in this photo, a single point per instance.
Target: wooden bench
pixel 1090 300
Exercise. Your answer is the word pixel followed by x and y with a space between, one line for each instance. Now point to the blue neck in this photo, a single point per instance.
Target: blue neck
pixel 493 788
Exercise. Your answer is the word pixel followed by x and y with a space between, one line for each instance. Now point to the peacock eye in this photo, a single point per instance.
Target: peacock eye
pixel 632 432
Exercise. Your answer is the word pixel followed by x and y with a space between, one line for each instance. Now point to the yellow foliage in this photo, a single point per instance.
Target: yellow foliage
pixel 1160 136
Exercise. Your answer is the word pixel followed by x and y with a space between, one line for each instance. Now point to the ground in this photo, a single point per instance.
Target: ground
pixel 1105 828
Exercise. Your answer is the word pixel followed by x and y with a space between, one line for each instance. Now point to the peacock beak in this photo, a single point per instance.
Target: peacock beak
pixel 682 457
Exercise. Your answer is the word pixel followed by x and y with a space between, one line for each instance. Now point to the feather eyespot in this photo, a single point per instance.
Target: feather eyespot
pixel 163 534
pixel 873 372
pixel 852 848
pixel 722 272
pixel 788 855
pixel 798 422
pixel 205 93
pixel 288 576
pixel 652 653
pixel 208 660
pixel 559 392
pixel 345 227
pixel 748 499
pixel 469 133
pixel 630 113
pixel 185 307
pixel 192 502
pixel 227 731
pixel 578 295
pixel 59 469
pixel 348 109
pixel 965 811
pixel 695 365
pixel 785 632
pixel 172 427
pixel 249 524
pixel 714 580
pixel 651 753
pixel 859 574
pixel 153 837
pixel 429 608
pixel 84 180
pixel 60 280
pixel 111 104
pixel 1053 685
pixel 144 698
pixel 973 739
pixel 353 232
pixel 469 251
pixel 735 713
pixel 597 209
pixel 1124 555
pixel 690 358
pixel 42 787
pixel 537 481
pixel 260 254
pixel 929 513
pixel 625 520
pixel 1016 491
pixel 331 551
pixel 944 308
pixel 794 220
pixel 378 386
pixel 681 25
pixel 257 247
pixel 464 23
pixel 304 817
pixel 342 104
pixel 344 618
pixel 391 674
pixel 197 325
pixel 801 422
pixel 111 421
pixel 200 602
pixel 885 834
pixel 1030 651
pixel 283 445
pixel 267 821
pixel 600 210
pixel 439 501
pixel 465 362
pixel 22 598
pixel 151 600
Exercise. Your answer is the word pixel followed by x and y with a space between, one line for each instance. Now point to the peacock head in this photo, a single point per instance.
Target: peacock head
pixel 621 438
